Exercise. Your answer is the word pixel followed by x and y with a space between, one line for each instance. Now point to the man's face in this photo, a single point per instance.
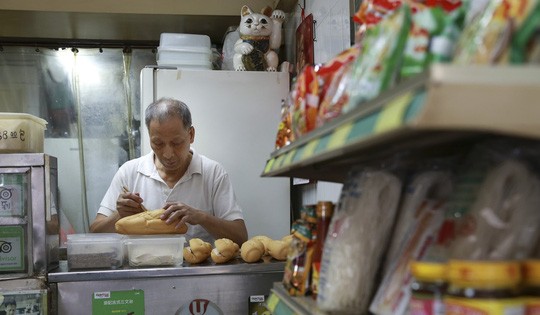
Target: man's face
pixel 170 141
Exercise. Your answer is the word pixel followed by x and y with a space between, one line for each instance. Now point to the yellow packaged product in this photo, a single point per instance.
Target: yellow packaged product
pixel 484 287
pixel 531 286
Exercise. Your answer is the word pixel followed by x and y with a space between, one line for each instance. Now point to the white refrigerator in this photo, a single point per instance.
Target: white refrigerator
pixel 235 115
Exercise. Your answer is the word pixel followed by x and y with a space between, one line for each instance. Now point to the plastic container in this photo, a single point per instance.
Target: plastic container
pixel 193 58
pixel 484 287
pixel 155 250
pixel 21 133
pixel 428 288
pixel 94 251
pixel 188 51
pixel 181 40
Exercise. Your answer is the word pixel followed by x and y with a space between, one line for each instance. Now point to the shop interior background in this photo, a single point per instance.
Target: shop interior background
pixel 90 99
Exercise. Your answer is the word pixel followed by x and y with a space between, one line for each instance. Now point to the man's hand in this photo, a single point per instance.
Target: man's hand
pixel 129 203
pixel 180 213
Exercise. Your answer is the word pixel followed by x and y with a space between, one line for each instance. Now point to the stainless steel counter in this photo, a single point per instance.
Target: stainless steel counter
pixel 169 290
pixel 234 267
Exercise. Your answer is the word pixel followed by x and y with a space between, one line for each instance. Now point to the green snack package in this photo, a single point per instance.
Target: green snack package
pixel 525 45
pixel 426 22
pixel 375 69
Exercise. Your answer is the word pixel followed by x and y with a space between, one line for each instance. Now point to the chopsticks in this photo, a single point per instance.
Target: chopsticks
pixel 126 190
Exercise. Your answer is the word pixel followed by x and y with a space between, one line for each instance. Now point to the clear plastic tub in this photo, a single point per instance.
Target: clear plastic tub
pixel 95 251
pixel 21 133
pixel 185 58
pixel 181 40
pixel 155 250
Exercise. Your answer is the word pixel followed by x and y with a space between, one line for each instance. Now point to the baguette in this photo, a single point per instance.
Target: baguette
pixel 147 222
pixel 197 251
pixel 252 250
pixel 224 251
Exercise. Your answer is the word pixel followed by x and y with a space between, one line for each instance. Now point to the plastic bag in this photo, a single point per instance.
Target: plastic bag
pixel 356 242
pixel 376 68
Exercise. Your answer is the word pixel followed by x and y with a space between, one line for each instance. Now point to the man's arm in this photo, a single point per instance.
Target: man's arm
pixel 104 224
pixel 179 213
pixel 235 230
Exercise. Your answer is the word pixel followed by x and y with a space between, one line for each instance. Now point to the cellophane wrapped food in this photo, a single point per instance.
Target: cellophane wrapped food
pixel 487 35
pixel 332 76
pixel 493 213
pixel 420 216
pixel 376 68
pixel 284 134
pixel 435 27
pixel 305 102
pixel 356 241
pixel 526 40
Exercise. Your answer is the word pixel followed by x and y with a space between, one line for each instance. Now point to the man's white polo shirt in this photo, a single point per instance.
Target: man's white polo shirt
pixel 205 186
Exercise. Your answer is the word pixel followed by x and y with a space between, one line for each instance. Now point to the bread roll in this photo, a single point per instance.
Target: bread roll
pixel 278 249
pixel 263 239
pixel 287 239
pixel 147 222
pixel 252 250
pixel 225 250
pixel 197 251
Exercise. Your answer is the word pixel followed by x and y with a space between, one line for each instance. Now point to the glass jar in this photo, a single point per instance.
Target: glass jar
pixel 484 287
pixel 428 288
pixel 531 286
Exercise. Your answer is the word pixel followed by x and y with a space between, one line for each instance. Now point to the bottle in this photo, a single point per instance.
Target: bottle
pixel 325 210
pixel 296 278
pixel 428 288
pixel 531 286
pixel 484 287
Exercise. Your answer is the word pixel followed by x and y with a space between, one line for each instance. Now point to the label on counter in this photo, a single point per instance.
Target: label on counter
pixel 11 195
pixel 257 305
pixel 118 302
pixel 12 248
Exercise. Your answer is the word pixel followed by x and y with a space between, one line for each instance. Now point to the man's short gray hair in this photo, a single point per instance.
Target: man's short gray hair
pixel 166 108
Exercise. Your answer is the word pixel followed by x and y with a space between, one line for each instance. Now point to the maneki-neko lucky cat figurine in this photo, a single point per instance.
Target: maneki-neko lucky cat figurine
pixel 260 35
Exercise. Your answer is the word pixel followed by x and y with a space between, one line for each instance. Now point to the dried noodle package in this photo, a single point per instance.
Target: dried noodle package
pixel 356 241
pixel 502 223
pixel 421 214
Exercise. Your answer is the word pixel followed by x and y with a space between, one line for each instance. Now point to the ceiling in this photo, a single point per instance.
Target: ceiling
pixel 138 21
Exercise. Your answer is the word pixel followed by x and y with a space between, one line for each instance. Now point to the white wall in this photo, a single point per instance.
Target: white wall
pixel 332 27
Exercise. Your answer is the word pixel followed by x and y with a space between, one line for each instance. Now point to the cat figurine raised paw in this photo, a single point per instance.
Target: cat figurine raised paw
pixel 260 35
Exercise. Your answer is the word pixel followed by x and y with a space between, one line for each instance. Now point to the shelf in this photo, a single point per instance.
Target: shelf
pixel 281 303
pixel 445 107
pixel 123 20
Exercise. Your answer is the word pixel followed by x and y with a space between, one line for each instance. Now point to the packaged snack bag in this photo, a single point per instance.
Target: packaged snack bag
pixel 376 67
pixel 333 93
pixel 284 134
pixel 426 23
pixel 486 39
pixel 306 102
pixel 526 40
